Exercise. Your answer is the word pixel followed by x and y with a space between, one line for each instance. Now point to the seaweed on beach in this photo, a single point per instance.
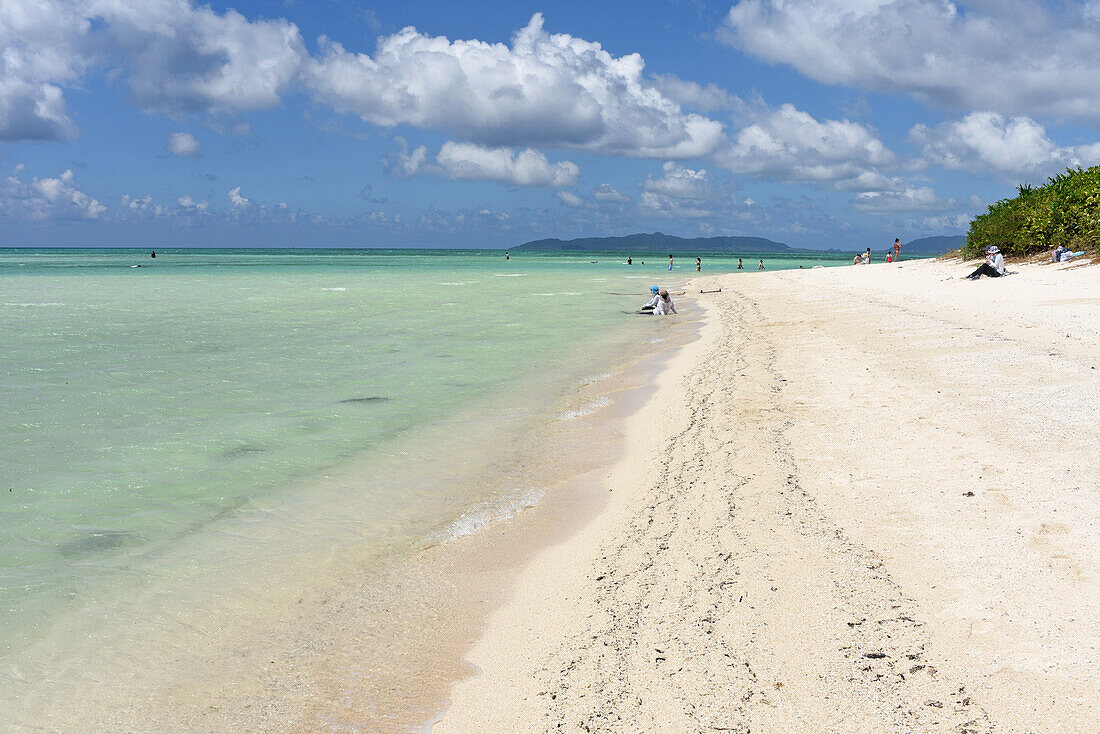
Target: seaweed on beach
pixel 1065 211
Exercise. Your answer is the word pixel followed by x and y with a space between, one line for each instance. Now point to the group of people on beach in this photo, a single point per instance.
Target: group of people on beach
pixel 864 258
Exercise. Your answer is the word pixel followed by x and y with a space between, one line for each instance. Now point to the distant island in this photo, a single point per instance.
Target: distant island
pixel 658 242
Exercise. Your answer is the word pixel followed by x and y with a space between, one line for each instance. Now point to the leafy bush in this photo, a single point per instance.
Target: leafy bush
pixel 1065 211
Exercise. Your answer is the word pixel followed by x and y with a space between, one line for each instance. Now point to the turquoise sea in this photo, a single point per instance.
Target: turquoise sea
pixel 213 410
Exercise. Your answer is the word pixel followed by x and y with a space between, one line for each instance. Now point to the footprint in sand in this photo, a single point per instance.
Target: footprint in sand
pixel 1060 562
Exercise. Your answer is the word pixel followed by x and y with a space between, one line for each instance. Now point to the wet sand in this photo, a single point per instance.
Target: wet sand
pixel 865 500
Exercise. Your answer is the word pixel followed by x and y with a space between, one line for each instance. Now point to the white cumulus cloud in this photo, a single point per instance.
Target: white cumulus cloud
pixel 183 144
pixel 236 200
pixel 605 193
pixel 572 200
pixel 990 142
pixel 788 144
pixel 662 205
pixel 469 162
pixel 910 199
pixel 190 204
pixel 543 90
pixel 678 183
pixel 403 163
pixel 504 165
pixel 185 58
pixel 1013 56
pixel 47 198
pixel 177 57
pixel 704 97
pixel 41 48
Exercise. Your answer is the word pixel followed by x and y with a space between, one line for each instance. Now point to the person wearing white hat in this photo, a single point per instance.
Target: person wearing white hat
pixel 994 265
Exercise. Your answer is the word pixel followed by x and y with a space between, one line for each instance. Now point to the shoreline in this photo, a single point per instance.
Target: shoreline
pixel 844 509
pixel 455 585
pixel 379 645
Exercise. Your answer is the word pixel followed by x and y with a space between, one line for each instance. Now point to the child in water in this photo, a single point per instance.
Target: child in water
pixel 665 305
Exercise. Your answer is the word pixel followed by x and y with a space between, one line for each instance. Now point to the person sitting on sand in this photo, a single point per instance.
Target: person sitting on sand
pixel 665 305
pixel 652 304
pixel 857 260
pixel 994 265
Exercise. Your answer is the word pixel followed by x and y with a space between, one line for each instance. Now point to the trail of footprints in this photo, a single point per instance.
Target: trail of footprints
pixel 698 654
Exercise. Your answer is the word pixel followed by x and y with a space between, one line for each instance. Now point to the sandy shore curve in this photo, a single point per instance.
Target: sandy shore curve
pixel 865 500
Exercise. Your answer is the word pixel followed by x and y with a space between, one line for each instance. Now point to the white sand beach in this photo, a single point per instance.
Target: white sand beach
pixel 867 499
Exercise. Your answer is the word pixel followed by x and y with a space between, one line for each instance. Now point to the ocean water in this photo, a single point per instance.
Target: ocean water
pixel 215 411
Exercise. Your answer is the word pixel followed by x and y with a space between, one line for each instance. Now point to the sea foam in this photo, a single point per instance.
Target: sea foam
pixel 489 512
pixel 588 408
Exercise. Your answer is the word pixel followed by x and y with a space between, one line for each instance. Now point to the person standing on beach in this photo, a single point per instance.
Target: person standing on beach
pixel 739 265
pixel 698 265
pixel 897 249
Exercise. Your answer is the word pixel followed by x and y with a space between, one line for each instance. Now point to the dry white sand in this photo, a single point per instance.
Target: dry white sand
pixel 866 500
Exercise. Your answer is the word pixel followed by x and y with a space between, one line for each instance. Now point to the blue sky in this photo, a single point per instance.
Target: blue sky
pixel 819 123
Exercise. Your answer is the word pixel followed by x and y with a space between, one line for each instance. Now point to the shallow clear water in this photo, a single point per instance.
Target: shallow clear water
pixel 145 410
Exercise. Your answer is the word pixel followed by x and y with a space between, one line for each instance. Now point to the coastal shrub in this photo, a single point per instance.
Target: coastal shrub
pixel 1065 211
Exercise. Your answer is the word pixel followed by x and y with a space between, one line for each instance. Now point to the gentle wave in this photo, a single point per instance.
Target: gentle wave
pixel 587 409
pixel 509 275
pixel 27 305
pixel 483 514
pixel 334 289
pixel 595 378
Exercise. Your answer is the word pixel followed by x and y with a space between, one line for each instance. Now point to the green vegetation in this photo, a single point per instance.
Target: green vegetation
pixel 1066 211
